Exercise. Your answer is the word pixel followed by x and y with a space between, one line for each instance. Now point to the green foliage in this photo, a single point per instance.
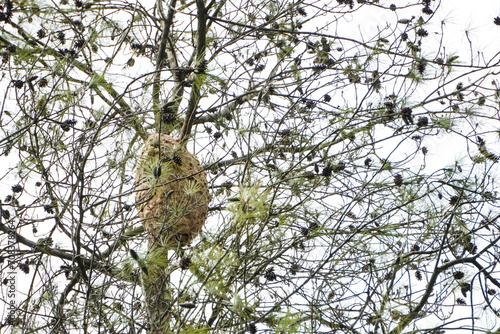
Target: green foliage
pixel 445 122
pixel 289 323
pixel 250 205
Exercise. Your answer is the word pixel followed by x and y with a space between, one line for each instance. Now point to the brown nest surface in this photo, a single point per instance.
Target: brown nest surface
pixel 172 192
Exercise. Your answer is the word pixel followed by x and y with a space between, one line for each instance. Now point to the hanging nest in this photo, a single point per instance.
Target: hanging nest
pixel 172 192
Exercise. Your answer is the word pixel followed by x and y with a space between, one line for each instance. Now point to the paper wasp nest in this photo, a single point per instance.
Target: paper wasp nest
pixel 172 192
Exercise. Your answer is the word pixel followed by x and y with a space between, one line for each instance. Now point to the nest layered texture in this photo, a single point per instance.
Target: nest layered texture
pixel 172 192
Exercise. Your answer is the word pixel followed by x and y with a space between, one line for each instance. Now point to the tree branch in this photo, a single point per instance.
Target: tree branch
pixel 194 98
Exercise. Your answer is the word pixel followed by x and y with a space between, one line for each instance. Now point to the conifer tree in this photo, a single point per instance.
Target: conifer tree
pixel 247 167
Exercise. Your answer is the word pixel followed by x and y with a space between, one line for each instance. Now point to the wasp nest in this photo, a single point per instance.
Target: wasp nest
pixel 172 192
